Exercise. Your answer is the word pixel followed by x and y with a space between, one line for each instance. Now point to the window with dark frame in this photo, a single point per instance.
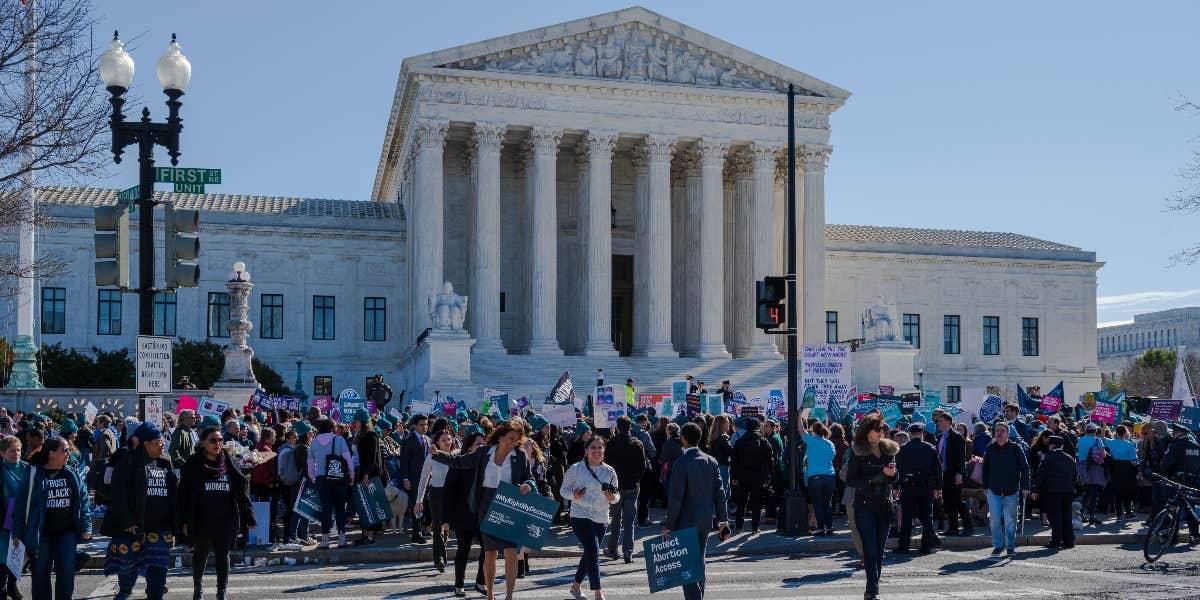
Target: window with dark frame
pixel 54 310
pixel 271 317
pixel 831 327
pixel 374 319
pixel 218 314
pixel 951 334
pixel 1029 336
pixel 912 329
pixel 164 314
pixel 991 336
pixel 322 385
pixel 953 394
pixel 323 318
pixel 108 312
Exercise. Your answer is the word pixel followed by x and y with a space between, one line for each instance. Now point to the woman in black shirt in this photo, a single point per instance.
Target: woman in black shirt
pixel 57 517
pixel 214 503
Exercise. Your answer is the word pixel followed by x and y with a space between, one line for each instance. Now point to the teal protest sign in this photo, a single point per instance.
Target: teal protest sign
pixel 890 412
pixel 371 503
pixel 350 402
pixel 1189 417
pixel 674 561
pixel 308 502
pixel 522 520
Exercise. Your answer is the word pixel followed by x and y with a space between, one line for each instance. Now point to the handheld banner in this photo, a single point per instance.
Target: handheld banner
pixel 370 502
pixel 350 402
pixel 211 408
pixel 990 408
pixel 826 369
pixel 694 408
pixel 1105 412
pixel 890 412
pixel 931 399
pixel 308 501
pixel 1050 404
pixel 605 409
pixel 679 390
pixel 886 390
pixel 522 520
pixel 561 415
pixel 450 409
pixel 674 561
pixel 502 405
pixel 1166 410
pixel 1189 417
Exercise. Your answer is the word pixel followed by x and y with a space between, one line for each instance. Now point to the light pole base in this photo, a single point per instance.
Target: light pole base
pixel 24 371
pixel 795 514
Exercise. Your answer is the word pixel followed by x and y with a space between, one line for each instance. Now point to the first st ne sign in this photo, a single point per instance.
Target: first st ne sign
pixel 153 364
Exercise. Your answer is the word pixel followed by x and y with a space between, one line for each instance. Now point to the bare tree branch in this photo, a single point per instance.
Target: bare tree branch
pixel 1187 199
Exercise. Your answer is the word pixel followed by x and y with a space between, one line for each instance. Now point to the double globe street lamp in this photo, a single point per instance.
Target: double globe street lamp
pixel 174 72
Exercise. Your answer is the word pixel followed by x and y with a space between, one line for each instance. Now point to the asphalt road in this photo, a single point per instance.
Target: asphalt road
pixel 1092 572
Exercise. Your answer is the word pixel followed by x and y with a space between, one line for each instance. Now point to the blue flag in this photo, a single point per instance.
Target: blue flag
pixel 1025 402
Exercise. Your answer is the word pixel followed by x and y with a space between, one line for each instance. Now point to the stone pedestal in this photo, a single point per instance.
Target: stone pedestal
pixel 237 382
pixel 24 370
pixel 442 362
pixel 884 363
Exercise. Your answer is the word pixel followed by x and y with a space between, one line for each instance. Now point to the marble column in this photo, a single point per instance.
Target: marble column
pixel 710 305
pixel 425 222
pixel 813 159
pixel 597 246
pixel 690 255
pixel 652 267
pixel 764 238
pixel 488 138
pixel 744 236
pixel 542 176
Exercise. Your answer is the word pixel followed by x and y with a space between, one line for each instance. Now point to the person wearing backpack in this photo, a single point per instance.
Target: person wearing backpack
pixel 293 461
pixel 1090 454
pixel 331 466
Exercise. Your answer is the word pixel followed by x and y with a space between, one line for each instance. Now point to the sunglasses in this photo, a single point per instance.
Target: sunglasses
pixel 214 441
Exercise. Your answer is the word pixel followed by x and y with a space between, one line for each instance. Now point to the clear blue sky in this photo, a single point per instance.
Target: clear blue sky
pixel 1052 119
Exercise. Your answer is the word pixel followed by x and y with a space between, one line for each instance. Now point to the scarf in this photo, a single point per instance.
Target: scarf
pixel 216 472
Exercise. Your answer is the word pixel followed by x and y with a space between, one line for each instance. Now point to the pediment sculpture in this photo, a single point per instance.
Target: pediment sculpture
pixel 632 52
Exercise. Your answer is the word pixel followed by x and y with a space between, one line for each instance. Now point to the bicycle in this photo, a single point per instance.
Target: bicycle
pixel 1164 528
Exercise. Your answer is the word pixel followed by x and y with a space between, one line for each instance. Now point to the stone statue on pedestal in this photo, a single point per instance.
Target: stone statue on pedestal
pixel 239 356
pixel 447 310
pixel 880 323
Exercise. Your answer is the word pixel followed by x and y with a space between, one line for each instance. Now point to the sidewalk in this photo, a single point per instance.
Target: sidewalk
pixel 396 548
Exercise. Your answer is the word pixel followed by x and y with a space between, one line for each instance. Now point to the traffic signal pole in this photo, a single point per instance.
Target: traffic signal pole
pixel 796 510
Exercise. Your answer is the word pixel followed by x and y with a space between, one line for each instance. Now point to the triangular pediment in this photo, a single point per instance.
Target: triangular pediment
pixel 635 45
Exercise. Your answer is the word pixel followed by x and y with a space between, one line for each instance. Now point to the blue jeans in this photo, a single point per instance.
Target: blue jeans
pixel 156 583
pixel 873 529
pixel 622 515
pixel 724 469
pixel 55 552
pixel 820 492
pixel 1004 535
pixel 334 496
pixel 589 534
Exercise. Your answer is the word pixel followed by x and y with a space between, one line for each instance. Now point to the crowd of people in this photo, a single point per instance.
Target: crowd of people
pixel 192 482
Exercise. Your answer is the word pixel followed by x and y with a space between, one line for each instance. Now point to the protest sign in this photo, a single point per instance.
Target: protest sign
pixel 826 369
pixel 418 407
pixel 350 402
pixel 810 398
pixel 561 415
pixel 679 390
pixel 450 409
pixel 694 407
pixel 153 406
pixel 910 402
pixel 606 411
pixel 890 412
pixel 886 390
pixel 734 404
pixel 922 415
pixel 776 407
pixel 1050 404
pixel 370 502
pixel 1166 410
pixel 90 411
pixel 523 520
pixel 674 561
pixel 990 408
pixel 931 399
pixel 502 406
pixel 261 400
pixel 820 413
pixel 1104 412
pixel 752 410
pixel 259 535
pixel 519 406
pixel 1189 417
pixel 308 501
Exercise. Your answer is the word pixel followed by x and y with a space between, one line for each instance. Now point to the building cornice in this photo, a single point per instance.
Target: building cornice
pixel 963 261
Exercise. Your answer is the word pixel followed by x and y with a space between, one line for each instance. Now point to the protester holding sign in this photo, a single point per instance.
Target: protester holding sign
pixel 50 518
pixel 332 467
pixel 15 473
pixel 592 487
pixel 370 465
pixel 500 461
pixel 214 504
pixel 871 472
pixel 694 498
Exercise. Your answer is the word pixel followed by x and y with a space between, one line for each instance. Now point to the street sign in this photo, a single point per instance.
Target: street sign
pixel 129 194
pixel 153 364
pixel 189 188
pixel 181 175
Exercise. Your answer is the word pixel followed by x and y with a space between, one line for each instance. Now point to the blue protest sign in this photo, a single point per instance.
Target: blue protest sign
pixel 1189 417
pixel 679 390
pixel 522 520
pixel 990 408
pixel 890 412
pixel 674 561
pixel 350 402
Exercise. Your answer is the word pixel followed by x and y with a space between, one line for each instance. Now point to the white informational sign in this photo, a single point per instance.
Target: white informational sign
pixel 562 415
pixel 260 534
pixel 89 412
pixel 826 368
pixel 209 407
pixel 421 407
pixel 153 364
pixel 16 558
pixel 154 410
pixel 604 407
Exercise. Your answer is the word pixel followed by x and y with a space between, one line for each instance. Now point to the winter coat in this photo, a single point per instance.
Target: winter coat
pixel 29 529
pixel 918 467
pixel 721 450
pixel 627 457
pixel 182 446
pixel 751 461
pixel 127 498
pixel 872 488
pixel 1056 474
pixel 1005 469
pixel 191 486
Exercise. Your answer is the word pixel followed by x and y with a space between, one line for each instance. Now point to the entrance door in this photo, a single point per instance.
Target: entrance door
pixel 622 304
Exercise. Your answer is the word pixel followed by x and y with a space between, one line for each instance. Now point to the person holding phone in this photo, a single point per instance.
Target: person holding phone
pixel 871 472
pixel 695 495
pixel 592 487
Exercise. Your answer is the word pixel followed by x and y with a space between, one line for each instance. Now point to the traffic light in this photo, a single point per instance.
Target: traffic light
pixel 770 294
pixel 112 244
pixel 182 246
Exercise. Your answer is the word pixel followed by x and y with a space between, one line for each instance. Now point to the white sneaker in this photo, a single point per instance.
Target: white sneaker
pixel 324 541
pixel 576 594
pixel 341 540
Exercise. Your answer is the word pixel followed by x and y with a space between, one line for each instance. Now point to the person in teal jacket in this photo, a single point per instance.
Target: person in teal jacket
pixel 51 519
pixel 14 472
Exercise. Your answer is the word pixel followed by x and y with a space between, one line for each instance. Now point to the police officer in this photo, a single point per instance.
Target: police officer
pixel 1181 463
pixel 919 471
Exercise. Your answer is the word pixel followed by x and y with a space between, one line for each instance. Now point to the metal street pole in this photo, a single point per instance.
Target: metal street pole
pixel 796 513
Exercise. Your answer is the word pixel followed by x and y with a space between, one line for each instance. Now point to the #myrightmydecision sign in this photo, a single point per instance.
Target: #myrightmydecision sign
pixel 153 364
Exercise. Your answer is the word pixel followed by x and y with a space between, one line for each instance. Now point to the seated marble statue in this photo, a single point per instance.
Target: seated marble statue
pixel 880 323
pixel 447 310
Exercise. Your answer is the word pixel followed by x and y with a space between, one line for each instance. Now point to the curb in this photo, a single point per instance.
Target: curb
pixel 759 547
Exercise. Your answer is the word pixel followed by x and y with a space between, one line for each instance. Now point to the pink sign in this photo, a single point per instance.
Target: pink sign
pixel 1051 404
pixel 325 404
pixel 186 402
pixel 1104 413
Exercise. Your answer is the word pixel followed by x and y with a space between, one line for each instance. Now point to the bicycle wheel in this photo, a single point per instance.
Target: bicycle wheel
pixel 1161 534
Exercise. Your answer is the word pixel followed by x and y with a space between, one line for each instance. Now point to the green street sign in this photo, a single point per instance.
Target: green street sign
pixel 129 194
pixel 189 188
pixel 180 175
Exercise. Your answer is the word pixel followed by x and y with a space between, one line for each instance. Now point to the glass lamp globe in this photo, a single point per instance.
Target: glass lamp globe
pixel 174 70
pixel 239 266
pixel 116 66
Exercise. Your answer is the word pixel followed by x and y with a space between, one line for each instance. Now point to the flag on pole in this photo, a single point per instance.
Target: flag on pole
pixel 563 392
pixel 1025 402
pixel 1180 388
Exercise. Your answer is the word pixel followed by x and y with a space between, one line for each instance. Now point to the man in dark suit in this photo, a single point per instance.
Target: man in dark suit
pixel 696 494
pixel 951 449
pixel 413 451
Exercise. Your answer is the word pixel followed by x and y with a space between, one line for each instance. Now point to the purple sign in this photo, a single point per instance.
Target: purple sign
pixel 325 404
pixel 1166 410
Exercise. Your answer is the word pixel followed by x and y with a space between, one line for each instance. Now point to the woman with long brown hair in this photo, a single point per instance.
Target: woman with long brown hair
pixel 501 460
pixel 871 472
pixel 720 448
